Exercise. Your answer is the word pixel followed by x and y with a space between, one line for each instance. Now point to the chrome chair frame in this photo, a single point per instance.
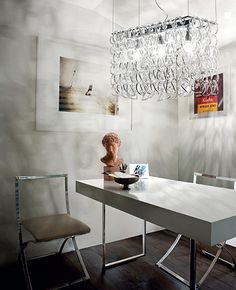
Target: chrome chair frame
pixel 220 246
pixel 23 245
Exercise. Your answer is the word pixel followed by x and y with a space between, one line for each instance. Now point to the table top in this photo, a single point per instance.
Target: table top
pixel 204 213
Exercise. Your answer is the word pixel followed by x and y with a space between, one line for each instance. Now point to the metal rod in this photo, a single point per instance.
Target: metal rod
pixel 220 259
pixel 232 257
pixel 110 264
pixel 113 16
pixel 131 114
pixel 66 194
pixel 171 248
pixel 214 177
pixel 24 263
pixel 123 260
pixel 144 237
pixel 62 245
pixel 193 254
pixel 103 235
pixel 86 277
pixel 166 269
pixel 139 11
pixel 215 11
pixel 40 177
pixel 210 267
pixel 173 274
pixel 162 10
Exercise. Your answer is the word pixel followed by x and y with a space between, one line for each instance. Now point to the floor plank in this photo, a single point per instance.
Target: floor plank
pixel 140 274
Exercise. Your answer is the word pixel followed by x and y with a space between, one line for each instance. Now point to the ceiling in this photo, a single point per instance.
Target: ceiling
pixel 126 12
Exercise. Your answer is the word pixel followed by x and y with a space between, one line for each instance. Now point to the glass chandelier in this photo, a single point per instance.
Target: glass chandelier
pixel 166 60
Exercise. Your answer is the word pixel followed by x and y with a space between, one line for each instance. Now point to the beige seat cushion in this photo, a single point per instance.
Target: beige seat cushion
pixel 53 227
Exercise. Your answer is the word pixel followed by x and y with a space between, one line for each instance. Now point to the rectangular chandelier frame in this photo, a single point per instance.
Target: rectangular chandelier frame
pixel 166 59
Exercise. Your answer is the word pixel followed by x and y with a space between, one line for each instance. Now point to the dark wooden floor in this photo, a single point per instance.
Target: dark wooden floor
pixel 140 274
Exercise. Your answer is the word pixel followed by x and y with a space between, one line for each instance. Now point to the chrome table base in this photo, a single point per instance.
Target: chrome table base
pixel 117 262
pixel 192 283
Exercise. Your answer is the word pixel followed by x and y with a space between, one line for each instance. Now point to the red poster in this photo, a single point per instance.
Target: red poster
pixel 205 103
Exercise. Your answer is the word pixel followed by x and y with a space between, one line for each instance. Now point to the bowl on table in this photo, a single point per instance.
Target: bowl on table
pixel 126 181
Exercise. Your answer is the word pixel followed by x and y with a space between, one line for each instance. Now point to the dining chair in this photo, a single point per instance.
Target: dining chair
pixel 49 227
pixel 215 254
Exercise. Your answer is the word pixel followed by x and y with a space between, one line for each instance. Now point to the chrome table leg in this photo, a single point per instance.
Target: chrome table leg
pixel 107 265
pixel 193 264
pixel 103 235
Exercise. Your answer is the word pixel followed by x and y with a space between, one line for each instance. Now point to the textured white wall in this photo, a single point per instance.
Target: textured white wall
pixel 25 151
pixel 207 144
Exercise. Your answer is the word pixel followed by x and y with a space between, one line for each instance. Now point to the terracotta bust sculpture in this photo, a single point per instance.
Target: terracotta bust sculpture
pixel 111 142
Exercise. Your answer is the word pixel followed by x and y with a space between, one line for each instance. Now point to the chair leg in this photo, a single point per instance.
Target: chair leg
pixel 231 264
pixel 24 264
pixel 86 274
pixel 26 272
pixel 216 257
pixel 62 245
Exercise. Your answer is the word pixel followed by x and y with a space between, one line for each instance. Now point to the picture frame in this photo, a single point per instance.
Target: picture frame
pixel 140 169
pixel 205 106
pixel 97 59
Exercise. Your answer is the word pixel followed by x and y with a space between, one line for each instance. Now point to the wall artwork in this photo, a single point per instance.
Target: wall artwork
pixel 73 89
pixel 206 101
pixel 210 102
pixel 80 89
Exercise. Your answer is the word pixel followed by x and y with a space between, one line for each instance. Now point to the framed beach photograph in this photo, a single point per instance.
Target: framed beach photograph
pixel 74 91
pixel 81 89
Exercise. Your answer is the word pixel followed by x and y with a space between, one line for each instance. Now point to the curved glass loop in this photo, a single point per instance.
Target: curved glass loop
pixel 167 60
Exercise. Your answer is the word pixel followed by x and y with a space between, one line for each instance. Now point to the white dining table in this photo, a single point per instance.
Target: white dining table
pixel 202 213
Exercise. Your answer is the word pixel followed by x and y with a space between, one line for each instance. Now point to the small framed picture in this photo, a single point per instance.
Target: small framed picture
pixel 211 97
pixel 141 170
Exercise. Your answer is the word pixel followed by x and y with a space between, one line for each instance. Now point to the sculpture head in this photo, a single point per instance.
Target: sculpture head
pixel 111 142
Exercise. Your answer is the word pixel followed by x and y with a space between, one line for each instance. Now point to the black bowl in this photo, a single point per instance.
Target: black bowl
pixel 126 181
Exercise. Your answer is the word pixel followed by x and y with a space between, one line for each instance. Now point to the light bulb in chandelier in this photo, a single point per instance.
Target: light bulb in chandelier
pixel 160 40
pixel 189 43
pixel 188 36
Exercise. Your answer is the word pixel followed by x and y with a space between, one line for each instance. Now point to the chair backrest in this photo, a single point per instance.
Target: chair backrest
pixel 19 180
pixel 197 174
